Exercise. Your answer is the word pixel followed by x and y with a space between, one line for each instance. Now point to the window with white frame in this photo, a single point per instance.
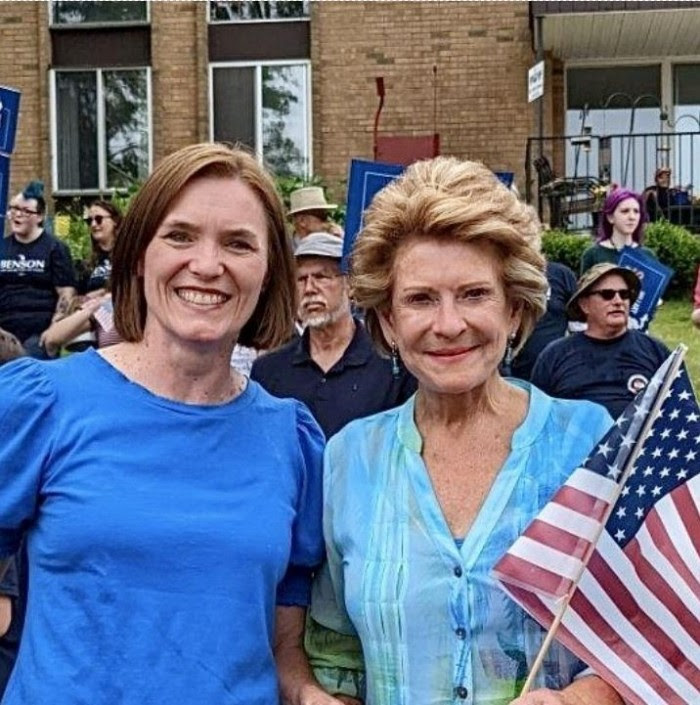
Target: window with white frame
pixel 88 12
pixel 101 128
pixel 267 107
pixel 258 10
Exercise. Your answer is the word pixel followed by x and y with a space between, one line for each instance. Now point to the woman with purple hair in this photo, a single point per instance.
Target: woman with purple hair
pixel 622 221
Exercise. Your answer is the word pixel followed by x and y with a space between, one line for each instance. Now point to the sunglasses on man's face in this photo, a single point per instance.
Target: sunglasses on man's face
pixel 97 218
pixel 609 294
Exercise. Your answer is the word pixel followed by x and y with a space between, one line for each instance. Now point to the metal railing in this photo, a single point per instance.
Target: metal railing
pixel 567 176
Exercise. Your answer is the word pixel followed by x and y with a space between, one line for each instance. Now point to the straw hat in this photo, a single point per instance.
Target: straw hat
pixel 320 245
pixel 590 277
pixel 309 198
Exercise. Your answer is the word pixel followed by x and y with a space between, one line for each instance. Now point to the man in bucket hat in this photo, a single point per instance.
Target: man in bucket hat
pixel 606 363
pixel 333 367
pixel 310 213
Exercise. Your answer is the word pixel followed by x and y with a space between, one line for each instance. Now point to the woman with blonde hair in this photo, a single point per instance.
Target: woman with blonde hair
pixel 421 501
pixel 171 508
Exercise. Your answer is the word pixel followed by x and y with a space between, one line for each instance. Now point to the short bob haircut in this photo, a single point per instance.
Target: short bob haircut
pixel 273 318
pixel 612 201
pixel 450 201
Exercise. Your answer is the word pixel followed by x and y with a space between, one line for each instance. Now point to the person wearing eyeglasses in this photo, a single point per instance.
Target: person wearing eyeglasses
pixel 91 323
pixel 607 363
pixel 37 279
pixel 333 367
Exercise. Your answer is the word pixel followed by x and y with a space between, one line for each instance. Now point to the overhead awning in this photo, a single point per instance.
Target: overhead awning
pixel 614 34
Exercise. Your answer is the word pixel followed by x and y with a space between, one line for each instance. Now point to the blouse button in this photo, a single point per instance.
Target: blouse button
pixel 458 571
pixel 461 633
pixel 461 692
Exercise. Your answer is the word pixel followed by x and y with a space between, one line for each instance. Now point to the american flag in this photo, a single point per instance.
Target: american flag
pixel 634 610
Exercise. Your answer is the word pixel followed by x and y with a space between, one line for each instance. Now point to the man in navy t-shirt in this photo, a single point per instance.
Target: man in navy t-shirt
pixel 606 363
pixel 37 280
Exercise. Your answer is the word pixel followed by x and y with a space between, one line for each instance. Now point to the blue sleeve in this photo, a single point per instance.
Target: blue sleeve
pixel 307 532
pixel 62 266
pixel 26 402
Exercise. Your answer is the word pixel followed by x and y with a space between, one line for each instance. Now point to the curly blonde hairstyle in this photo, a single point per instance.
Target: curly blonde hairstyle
pixel 452 201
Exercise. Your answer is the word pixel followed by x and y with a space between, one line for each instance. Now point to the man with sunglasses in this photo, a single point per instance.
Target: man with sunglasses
pixel 607 363
pixel 37 279
pixel 333 367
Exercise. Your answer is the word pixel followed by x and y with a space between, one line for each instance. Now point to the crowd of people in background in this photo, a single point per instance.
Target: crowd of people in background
pixel 446 365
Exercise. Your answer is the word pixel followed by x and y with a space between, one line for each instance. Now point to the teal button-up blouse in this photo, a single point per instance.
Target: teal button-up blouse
pixel 434 626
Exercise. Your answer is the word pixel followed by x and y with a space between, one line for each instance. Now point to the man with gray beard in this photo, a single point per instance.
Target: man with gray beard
pixel 332 367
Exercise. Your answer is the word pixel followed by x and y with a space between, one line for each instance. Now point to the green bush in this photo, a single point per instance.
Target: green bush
pixel 676 248
pixel 565 248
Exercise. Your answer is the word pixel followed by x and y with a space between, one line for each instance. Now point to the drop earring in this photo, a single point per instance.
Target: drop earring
pixel 508 357
pixel 394 359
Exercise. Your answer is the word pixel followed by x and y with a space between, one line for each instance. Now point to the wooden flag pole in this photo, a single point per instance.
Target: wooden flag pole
pixel 661 395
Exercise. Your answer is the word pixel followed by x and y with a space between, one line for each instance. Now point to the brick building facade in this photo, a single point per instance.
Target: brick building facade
pixel 303 84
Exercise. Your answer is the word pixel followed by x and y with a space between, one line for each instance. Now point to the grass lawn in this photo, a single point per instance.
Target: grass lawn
pixel 672 325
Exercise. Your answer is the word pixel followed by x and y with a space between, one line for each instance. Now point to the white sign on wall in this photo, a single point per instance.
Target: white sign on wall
pixel 535 82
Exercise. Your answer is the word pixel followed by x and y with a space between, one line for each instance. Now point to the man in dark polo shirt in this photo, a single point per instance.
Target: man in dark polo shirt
pixel 606 363
pixel 332 367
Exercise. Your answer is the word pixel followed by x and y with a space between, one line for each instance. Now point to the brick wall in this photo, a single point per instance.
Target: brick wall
pixel 24 39
pixel 179 75
pixel 481 51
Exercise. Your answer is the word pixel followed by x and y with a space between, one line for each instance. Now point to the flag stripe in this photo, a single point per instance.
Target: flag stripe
pixel 560 515
pixel 593 484
pixel 635 604
pixel 552 535
pixel 605 663
pixel 666 547
pixel 607 643
pixel 688 594
pixel 539 579
pixel 659 585
pixel 546 557
pixel 688 500
pixel 581 502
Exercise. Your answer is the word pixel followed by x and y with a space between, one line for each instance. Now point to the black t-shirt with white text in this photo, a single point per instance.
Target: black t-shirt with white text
pixel 29 275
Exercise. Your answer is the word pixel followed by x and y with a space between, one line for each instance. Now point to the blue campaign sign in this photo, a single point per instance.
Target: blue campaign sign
pixel 654 277
pixel 365 180
pixel 9 111
pixel 4 183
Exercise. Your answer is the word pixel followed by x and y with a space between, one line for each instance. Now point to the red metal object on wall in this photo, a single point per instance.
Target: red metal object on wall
pixel 406 149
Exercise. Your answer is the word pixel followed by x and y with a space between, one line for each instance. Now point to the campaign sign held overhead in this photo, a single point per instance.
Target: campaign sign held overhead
pixel 365 180
pixel 9 111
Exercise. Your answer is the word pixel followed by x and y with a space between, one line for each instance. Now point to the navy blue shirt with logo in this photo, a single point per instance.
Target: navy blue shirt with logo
pixel 96 274
pixel 29 275
pixel 361 383
pixel 609 372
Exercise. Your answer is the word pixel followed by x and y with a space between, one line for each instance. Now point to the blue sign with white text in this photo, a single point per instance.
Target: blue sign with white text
pixel 9 112
pixel 4 183
pixel 365 180
pixel 654 278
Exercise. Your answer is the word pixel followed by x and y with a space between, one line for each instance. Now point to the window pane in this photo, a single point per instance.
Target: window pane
pixel 685 119
pixel 234 105
pixel 76 130
pixel 284 115
pixel 686 84
pixel 126 126
pixel 620 101
pixel 83 11
pixel 257 10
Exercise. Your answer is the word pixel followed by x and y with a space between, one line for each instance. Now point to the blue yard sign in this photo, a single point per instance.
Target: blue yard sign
pixel 654 277
pixel 4 183
pixel 9 111
pixel 365 180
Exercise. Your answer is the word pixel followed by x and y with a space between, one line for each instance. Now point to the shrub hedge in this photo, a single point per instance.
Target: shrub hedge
pixel 674 246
